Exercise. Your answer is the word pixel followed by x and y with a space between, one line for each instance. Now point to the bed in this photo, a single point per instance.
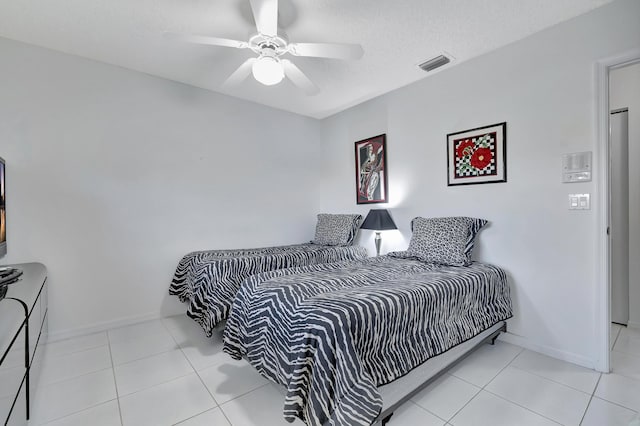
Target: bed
pixel 209 280
pixel 335 334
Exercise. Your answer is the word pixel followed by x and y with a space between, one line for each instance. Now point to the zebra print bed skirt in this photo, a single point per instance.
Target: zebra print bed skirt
pixel 332 333
pixel 209 280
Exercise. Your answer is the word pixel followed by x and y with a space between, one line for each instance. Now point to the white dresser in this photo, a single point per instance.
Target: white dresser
pixel 23 330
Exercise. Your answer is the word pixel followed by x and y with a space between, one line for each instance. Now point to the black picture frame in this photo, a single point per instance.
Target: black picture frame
pixel 477 156
pixel 371 170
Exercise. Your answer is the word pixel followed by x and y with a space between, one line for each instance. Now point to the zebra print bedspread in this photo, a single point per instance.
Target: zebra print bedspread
pixel 209 280
pixel 333 333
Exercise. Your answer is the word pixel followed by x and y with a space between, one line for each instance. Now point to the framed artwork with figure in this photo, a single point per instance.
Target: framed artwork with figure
pixel 371 170
pixel 477 155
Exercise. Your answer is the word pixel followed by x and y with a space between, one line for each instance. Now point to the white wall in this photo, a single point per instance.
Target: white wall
pixel 544 88
pixel 113 175
pixel 624 91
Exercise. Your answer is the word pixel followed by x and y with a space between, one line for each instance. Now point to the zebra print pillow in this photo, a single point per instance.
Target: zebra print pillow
pixel 336 229
pixel 476 226
pixel 444 240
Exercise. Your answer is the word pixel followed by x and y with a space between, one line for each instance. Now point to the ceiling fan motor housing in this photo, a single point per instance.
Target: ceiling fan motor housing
pixel 262 45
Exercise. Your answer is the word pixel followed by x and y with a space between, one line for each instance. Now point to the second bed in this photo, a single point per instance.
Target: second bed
pixel 209 280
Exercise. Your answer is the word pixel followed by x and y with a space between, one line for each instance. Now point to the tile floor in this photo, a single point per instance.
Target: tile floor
pixel 165 372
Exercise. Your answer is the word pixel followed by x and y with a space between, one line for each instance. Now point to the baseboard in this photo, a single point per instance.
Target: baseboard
pixel 633 324
pixel 101 326
pixel 547 350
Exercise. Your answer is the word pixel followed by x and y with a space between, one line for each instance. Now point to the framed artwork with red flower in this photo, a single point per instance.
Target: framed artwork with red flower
pixel 371 170
pixel 477 155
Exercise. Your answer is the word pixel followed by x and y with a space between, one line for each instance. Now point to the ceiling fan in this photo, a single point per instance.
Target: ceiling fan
pixel 270 67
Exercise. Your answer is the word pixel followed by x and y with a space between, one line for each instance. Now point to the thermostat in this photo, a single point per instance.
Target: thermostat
pixel 576 167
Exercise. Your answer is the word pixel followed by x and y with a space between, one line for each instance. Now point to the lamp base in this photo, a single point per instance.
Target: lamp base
pixel 378 243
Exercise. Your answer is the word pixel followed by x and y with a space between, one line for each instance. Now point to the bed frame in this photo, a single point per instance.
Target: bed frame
pixel 395 394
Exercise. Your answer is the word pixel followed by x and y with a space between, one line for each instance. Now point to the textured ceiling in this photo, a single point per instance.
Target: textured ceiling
pixel 395 35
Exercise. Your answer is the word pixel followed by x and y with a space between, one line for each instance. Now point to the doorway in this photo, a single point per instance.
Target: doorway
pixel 620 188
pixel 605 267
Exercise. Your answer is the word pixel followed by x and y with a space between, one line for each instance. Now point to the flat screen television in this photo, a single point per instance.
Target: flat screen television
pixel 3 212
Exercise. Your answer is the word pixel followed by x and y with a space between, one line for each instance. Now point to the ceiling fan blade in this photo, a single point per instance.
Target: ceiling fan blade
pixel 327 50
pixel 298 78
pixel 212 41
pixel 240 74
pixel 265 13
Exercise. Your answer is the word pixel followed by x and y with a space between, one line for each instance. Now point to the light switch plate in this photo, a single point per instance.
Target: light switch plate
pixel 579 201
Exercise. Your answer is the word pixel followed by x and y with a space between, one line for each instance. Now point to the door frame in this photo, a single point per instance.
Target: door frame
pixel 603 208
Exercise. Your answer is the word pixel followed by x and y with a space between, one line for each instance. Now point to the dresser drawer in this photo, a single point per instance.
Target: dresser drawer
pixel 12 376
pixel 23 332
pixel 18 417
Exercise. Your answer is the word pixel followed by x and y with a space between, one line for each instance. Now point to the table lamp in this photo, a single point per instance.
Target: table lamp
pixel 378 220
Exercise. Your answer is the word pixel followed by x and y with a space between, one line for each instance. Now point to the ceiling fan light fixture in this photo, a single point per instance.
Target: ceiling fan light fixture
pixel 268 70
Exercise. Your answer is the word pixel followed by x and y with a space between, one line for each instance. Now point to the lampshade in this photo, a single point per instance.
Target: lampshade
pixel 268 70
pixel 379 220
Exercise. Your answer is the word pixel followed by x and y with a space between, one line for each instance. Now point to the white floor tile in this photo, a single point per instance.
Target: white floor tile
pixel 144 373
pixel 166 404
pixel 205 354
pixel 485 363
pixel 129 347
pixel 549 399
pixel 262 407
pixel 231 379
pixel 280 388
pixel 64 367
pixel 625 365
pixel 486 409
pixel 71 396
pixel 183 328
pixel 202 351
pixel 628 341
pixel 137 331
pixel 572 375
pixel 107 414
pixel 81 343
pixel 630 332
pixel 409 414
pixel 446 396
pixel 620 390
pixel 602 413
pixel 213 417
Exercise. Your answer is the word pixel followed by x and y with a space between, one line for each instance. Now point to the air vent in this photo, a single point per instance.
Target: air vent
pixel 434 63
